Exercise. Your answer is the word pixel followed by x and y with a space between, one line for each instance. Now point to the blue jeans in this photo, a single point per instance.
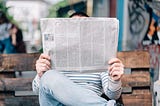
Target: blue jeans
pixel 6 46
pixel 57 90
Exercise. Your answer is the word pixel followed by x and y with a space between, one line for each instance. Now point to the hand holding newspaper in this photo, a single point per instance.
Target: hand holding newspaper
pixel 80 44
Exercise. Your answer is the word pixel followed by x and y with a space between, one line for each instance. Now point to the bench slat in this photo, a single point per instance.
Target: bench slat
pixel 18 62
pixel 135 59
pixel 22 101
pixel 26 62
pixel 136 80
pixel 15 84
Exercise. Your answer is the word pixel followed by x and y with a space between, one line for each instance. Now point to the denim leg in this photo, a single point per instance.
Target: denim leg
pixel 61 89
pixel 47 99
pixel 9 48
pixel 1 46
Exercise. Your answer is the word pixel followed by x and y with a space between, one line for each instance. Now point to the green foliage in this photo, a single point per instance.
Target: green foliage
pixel 2 6
pixel 5 9
pixel 55 7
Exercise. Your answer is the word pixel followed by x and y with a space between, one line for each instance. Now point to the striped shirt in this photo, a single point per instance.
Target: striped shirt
pixel 97 82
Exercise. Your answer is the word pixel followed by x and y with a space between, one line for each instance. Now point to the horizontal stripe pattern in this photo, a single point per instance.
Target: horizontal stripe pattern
pixel 91 81
pixel 97 82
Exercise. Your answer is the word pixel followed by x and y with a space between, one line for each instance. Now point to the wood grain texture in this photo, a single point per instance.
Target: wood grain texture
pixel 18 62
pixel 15 84
pixel 135 59
pixel 137 80
pixel 26 62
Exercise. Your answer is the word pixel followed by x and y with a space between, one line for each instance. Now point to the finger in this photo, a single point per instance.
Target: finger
pixel 45 65
pixel 114 60
pixel 112 70
pixel 115 65
pixel 116 78
pixel 42 66
pixel 45 56
pixel 119 72
pixel 116 75
pixel 44 61
pixel 117 69
pixel 41 71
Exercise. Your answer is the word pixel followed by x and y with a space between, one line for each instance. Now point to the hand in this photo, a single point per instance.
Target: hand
pixel 116 69
pixel 43 64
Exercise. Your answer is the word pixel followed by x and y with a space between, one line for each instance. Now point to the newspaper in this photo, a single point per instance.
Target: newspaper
pixel 80 44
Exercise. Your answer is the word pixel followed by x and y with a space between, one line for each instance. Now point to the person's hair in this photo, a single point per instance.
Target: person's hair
pixel 81 14
pixel 3 17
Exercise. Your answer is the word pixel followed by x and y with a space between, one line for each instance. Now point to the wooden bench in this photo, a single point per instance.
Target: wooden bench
pixel 16 91
pixel 137 87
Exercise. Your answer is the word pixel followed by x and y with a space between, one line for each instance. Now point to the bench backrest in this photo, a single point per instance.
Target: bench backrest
pixel 136 82
pixel 17 91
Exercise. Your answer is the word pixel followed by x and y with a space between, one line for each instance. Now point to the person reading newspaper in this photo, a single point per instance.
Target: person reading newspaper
pixel 70 88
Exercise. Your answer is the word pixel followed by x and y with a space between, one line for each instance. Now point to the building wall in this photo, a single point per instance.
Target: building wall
pixel 141 30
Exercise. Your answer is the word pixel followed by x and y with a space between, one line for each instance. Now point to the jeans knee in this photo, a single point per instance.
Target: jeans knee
pixel 49 79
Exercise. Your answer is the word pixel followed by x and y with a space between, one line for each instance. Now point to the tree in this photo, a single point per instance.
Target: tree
pixel 5 9
pixel 54 8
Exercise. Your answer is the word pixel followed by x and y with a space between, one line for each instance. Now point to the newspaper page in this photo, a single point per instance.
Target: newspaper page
pixel 80 44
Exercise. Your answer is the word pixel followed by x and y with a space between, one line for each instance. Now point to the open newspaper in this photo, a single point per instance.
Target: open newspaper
pixel 80 44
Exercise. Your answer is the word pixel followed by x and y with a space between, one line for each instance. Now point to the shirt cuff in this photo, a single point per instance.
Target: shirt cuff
pixel 114 85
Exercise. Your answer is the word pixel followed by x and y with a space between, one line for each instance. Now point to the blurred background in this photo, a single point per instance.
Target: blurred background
pixel 139 22
pixel 27 14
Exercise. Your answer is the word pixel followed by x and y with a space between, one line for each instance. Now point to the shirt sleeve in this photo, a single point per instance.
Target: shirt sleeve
pixel 111 88
pixel 35 84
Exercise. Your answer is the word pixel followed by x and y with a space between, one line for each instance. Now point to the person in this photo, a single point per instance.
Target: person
pixel 17 39
pixel 70 88
pixel 5 40
pixel 151 37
